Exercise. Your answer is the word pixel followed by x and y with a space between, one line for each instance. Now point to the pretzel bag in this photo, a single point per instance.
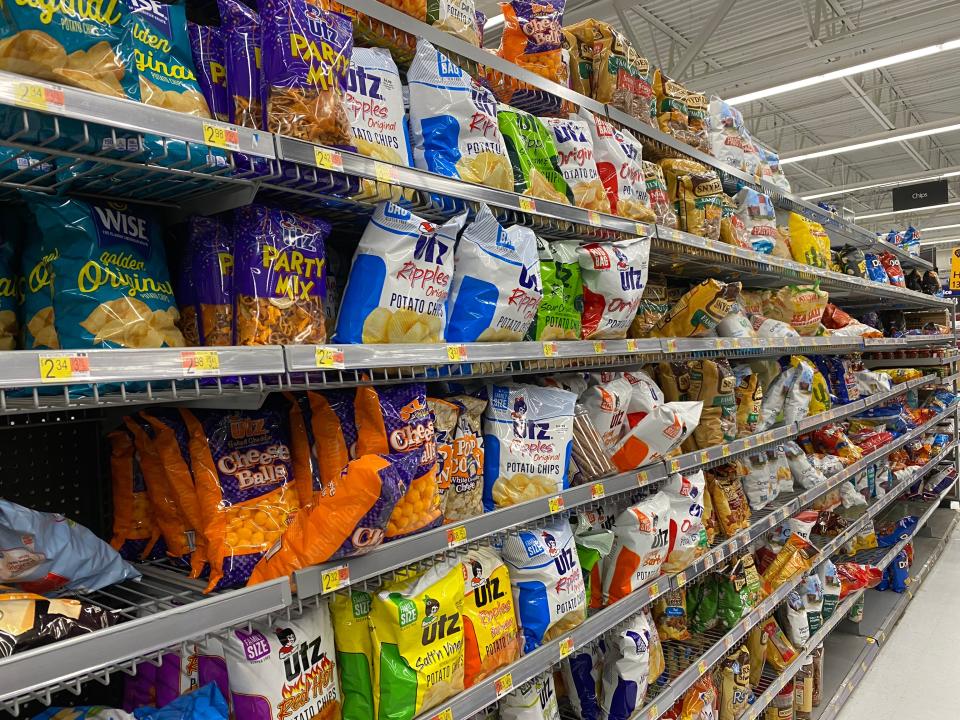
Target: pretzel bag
pixel 279 277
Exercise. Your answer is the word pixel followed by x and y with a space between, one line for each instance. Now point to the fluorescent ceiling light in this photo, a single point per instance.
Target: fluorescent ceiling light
pixel 944 241
pixel 901 212
pixel 872 143
pixel 889 183
pixel 939 227
pixel 845 72
pixel 493 22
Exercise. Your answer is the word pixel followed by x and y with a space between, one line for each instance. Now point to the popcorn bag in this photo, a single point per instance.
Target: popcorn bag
pixel 399 280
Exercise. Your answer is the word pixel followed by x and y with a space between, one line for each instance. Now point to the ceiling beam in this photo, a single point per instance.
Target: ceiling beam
pixel 706 32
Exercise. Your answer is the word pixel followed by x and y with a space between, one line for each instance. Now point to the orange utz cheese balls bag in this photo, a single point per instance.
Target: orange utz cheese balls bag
pixel 490 634
pixel 532 37
pixel 241 462
pixel 134 534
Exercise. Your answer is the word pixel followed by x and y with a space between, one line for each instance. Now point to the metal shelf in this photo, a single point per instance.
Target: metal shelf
pixel 158 612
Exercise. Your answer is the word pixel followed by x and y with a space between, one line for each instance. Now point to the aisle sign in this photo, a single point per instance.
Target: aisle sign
pixel 955 269
pixel 920 195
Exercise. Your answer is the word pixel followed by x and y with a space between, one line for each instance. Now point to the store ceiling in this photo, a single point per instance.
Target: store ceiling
pixel 731 47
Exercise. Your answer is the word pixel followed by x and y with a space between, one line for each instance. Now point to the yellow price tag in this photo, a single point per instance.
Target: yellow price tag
pixel 221 136
pixel 457 353
pixel 445 714
pixel 702 667
pixel 704 456
pixel 747 442
pixel 631 345
pixel 725 450
pixel 527 204
pixel 655 589
pixel 674 466
pixel 597 491
pixel 640 229
pixel 642 477
pixel 200 362
pixel 871 641
pixel 550 349
pixel 456 536
pixel 63 366
pixel 735 342
pixel 599 347
pixel 37 97
pixel 593 217
pixel 671 345
pixel 503 684
pixel 566 647
pixel 555 504
pixel 654 713
pixel 385 172
pixel 327 159
pixel 329 358
pixel 334 579
pixel 681 579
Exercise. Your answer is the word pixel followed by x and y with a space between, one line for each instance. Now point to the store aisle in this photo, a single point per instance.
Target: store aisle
pixel 916 674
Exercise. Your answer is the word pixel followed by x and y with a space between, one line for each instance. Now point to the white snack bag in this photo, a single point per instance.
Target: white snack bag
pixel 374 101
pixel 646 393
pixel 795 625
pixel 582 671
pixel 399 279
pixel 685 516
pixel 757 214
pixel 660 431
pixel 606 405
pixel 577 383
pixel 453 124
pixel 534 700
pixel 457 17
pixel 797 403
pixel 804 474
pixel 775 398
pixel 780 468
pixel 620 165
pixel 614 276
pixel 527 438
pixel 736 325
pixel 770 328
pixel 626 668
pixel 548 589
pixel 757 485
pixel 574 144
pixel 870 382
pixel 725 139
pixel 640 544
pixel 283 668
pixel 496 282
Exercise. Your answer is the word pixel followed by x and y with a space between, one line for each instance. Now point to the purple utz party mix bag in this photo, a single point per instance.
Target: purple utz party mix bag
pixel 206 44
pixel 211 254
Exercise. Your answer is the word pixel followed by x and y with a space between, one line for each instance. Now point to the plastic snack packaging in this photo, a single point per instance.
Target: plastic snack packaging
pixel 548 589
pixel 279 276
pixel 726 143
pixel 751 154
pixel 536 167
pixel 462 460
pixel 728 499
pixel 620 165
pixel 619 75
pixel 658 433
pixel 734 684
pixel 399 279
pixel 527 438
pixel 793 616
pixel 685 494
pixel 46 553
pixel 532 37
pixel 594 545
pixel 796 405
pixel 697 196
pixel 875 269
pixel 701 701
pixel 284 667
pixel 614 276
pixel 703 600
pixel 561 306
pixel 626 666
pixel 809 242
pixel 801 306
pixel 757 645
pixel 350 613
pixel 749 397
pixel 699 310
pixel 795 557
pixel 134 533
pixel 574 149
pixel 97 303
pixel 853 261
pixel 712 382
pixel 657 192
pixel 453 124
pixel 33 620
pixel 589 452
pixel 780 652
pixel 698 121
pixel 732 229
pixel 456 17
pixel 641 542
pixel 892 267
pixel 490 635
pixel 206 45
pixel 582 675
pixel 672 112
pixel 757 482
pixel 758 217
pixel 813 602
pixel 495 291
pixel 606 406
pixel 211 251
pixel 11 294
pixel 534 700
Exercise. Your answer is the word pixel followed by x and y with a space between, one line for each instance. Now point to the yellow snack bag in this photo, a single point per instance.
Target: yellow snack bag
pixel 809 242
pixel 417 641
pixel 699 310
pixel 820 399
pixel 697 196
pixel 351 628
pixel 490 633
pixel 801 306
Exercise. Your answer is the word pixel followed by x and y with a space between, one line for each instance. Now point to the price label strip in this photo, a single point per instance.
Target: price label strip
pixel 335 578
pixel 385 172
pixel 200 362
pixel 56 367
pixel 221 136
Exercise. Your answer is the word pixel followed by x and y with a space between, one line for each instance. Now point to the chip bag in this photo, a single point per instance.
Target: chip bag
pixel 640 546
pixel 575 158
pixel 242 33
pixel 534 700
pixel 462 469
pixel 749 396
pixel 659 199
pixel 211 251
pixel 206 44
pixel 456 17
pixel 536 167
pixel 794 557
pixel 134 533
pixel 758 217
pixel 561 305
pixel 614 276
pixel 626 668
pixel 728 499
pixel 685 512
pixel 799 305
pixel 399 279
pixel 662 430
pixel 891 265
pixel 453 124
pixel 582 674
pixel 619 75
pixel 495 291
pixel 670 614
pixel 490 635
pixel 699 310
pixel 809 242
pixel 532 37
pixel 726 143
pixel 548 589
pixel 350 612
pixel 672 112
pixel 111 286
pixel 620 165
pixel 527 439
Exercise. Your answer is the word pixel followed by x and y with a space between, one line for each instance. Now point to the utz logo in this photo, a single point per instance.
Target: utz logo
pixel 429 247
pixel 322 25
pixel 413 409
pixel 287 639
pixel 476 573
pixel 484 101
pixel 519 411
pixel 294 236
pixel 242 427
pixel 569 132
pixel 358 81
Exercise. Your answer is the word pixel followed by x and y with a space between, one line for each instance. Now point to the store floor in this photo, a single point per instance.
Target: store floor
pixel 916 675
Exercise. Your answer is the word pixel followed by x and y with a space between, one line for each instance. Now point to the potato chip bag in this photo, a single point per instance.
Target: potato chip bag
pixel 620 166
pixel 418 642
pixel 734 684
pixel 758 217
pixel 399 280
pixel 794 557
pixel 728 500
pixel 658 433
pixel 582 673
pixel 134 533
pixel 462 460
pixel 670 615
pixel 241 465
pixel 457 17
pixel 657 191
pixel 672 111
pixel 685 519
pixel 111 286
pixel 534 700
pixel 11 290
pixel 284 668
pixel 699 204
pixel 548 589
pixel 641 543
pixel 732 229
pixel 799 305
pixel 614 276
pixel 574 145
pixel 621 77
pixel 350 612
pixel 495 291
pixel 699 310
pixel 749 396
pixel 527 439
pixel 594 544
pixel 490 635
pixel 626 668
pixel 206 45
pixel 242 32
pixel 536 167
pixel 561 306
pixel 453 124
pixel 532 37
pixel 279 276
pixel 374 100
pixel 809 242
pixel 726 143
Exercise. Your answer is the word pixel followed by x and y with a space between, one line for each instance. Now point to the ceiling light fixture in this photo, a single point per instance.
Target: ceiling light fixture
pixel 900 137
pixel 872 186
pixel 845 72
pixel 939 227
pixel 944 241
pixel 901 212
